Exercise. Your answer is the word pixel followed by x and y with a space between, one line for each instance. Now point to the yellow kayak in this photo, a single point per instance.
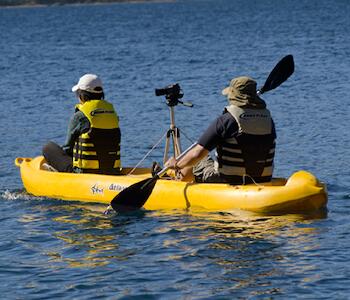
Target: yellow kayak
pixel 301 193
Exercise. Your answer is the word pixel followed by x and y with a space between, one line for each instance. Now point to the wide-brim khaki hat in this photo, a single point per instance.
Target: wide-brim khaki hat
pixel 242 92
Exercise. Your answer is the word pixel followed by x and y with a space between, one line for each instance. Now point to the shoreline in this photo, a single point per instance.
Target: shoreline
pixel 56 4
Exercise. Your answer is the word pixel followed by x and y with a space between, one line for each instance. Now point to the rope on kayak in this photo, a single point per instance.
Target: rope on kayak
pixel 252 179
pixel 147 154
pixel 153 147
pixel 189 139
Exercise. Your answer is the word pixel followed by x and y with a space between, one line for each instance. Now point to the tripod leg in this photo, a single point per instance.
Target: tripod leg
pixel 176 141
pixel 167 145
pixel 174 135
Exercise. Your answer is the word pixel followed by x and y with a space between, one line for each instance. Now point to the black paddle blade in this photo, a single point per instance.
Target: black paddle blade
pixel 135 196
pixel 279 74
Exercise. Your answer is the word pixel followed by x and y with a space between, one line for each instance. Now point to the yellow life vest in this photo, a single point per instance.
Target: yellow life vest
pixel 98 150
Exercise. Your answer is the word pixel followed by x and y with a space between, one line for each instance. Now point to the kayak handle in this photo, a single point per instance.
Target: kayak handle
pixel 20 160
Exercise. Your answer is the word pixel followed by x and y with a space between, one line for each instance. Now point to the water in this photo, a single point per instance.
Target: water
pixel 52 249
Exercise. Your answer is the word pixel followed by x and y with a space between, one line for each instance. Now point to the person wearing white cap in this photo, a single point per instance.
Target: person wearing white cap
pixel 93 139
pixel 244 139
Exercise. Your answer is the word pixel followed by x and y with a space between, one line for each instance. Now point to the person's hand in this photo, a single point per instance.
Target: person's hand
pixel 173 171
pixel 171 163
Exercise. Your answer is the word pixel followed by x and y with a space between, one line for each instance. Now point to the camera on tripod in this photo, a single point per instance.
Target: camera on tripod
pixel 170 91
pixel 172 94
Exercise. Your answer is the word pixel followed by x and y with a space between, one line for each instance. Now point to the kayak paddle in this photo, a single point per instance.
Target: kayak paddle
pixel 279 74
pixel 136 195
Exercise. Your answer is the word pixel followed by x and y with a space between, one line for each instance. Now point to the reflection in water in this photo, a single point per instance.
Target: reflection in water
pixel 237 252
pixel 89 237
pixel 245 250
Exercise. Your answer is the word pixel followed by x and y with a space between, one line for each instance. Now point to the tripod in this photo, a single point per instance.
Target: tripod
pixel 172 95
pixel 173 134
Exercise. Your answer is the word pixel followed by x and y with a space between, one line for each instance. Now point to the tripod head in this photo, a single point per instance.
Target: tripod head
pixel 172 94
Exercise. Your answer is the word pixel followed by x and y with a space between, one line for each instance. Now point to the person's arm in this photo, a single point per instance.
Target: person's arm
pixel 206 143
pixel 77 125
pixel 190 159
pixel 219 129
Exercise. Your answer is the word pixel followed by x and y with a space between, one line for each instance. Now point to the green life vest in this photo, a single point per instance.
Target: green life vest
pixel 98 150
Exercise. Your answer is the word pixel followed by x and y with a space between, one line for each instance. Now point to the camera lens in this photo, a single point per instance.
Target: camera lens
pixel 159 92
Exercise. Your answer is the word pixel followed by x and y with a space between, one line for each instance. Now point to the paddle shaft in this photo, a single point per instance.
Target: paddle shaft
pixel 178 158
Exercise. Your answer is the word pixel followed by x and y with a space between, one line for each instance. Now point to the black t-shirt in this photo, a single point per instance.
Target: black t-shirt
pixel 225 126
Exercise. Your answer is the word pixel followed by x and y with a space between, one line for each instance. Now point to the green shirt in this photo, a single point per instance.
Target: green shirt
pixel 78 124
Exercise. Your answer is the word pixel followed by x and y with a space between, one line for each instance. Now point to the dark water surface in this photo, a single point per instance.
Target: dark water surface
pixel 52 249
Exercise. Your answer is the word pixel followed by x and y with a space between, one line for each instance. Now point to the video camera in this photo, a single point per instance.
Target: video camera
pixel 172 94
pixel 170 91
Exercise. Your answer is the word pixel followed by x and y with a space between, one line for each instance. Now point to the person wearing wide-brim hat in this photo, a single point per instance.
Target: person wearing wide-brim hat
pixel 244 139
pixel 93 140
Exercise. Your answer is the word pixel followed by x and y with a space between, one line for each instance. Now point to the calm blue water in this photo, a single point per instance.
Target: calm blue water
pixel 52 249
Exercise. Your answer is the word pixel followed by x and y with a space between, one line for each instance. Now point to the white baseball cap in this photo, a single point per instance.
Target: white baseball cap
pixel 90 83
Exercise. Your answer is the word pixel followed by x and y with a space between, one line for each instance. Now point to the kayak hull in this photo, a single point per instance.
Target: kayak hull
pixel 301 193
